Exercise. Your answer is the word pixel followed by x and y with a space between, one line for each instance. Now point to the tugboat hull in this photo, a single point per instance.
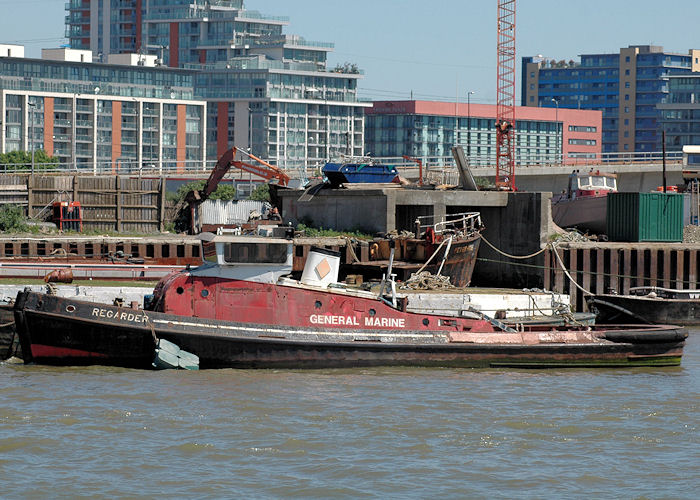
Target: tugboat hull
pixel 55 330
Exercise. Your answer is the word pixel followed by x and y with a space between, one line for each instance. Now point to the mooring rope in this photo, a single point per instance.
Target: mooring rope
pixel 550 246
pixel 523 257
pixel 566 272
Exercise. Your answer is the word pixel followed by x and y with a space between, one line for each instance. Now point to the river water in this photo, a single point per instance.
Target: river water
pixel 366 433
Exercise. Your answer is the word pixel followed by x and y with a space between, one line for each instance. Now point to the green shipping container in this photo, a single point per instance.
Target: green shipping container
pixel 645 217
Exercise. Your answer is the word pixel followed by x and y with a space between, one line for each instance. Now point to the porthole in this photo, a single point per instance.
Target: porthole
pixel 180 290
pixel 318 304
pixel 70 308
pixel 426 321
pixel 372 312
pixel 205 293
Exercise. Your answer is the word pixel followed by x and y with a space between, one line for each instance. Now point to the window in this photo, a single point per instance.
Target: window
pixel 581 128
pixel 255 253
pixel 627 72
pixel 627 97
pixel 627 122
pixel 627 59
pixel 582 142
pixel 627 110
pixel 627 85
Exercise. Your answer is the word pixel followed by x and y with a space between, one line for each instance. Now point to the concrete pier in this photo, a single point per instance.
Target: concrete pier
pixel 516 223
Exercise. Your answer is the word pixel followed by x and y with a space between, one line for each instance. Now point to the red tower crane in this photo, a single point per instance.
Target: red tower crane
pixel 505 101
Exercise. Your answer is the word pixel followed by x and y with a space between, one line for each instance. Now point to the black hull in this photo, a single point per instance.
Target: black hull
pixel 644 310
pixel 9 340
pixel 58 331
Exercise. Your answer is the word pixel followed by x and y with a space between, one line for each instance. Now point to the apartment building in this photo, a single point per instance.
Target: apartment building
pixel 101 116
pixel 626 86
pixel 269 92
pixel 428 130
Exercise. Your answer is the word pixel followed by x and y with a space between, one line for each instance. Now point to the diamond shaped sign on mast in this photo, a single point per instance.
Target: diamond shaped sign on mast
pixel 505 89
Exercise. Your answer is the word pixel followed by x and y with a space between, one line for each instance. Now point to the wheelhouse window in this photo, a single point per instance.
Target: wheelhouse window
pixel 597 181
pixel 255 253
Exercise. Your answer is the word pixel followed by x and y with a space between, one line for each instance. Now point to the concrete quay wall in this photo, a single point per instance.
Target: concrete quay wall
pixel 630 178
pixel 515 223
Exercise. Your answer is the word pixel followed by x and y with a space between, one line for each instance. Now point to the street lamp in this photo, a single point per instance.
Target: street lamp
pixel 556 122
pixel 469 123
pixel 31 133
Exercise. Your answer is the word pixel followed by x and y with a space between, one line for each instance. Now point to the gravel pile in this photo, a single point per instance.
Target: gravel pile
pixel 691 234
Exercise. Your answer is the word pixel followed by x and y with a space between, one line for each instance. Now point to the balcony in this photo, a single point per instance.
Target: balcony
pixel 78 5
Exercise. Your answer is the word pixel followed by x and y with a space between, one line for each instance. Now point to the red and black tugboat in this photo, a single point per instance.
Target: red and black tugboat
pixel 240 310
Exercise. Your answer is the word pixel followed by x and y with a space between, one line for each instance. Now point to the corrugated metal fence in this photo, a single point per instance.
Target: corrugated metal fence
pixel 110 203
pixel 219 212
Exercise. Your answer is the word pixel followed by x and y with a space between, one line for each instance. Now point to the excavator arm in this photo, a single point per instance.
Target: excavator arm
pixel 418 162
pixel 261 169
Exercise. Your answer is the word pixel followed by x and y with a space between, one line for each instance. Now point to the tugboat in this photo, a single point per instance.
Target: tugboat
pixel 241 310
pixel 584 204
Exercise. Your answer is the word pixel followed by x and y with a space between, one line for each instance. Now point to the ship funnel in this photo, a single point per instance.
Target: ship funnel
pixel 321 267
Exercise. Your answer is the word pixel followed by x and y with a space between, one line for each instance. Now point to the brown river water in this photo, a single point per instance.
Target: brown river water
pixel 366 433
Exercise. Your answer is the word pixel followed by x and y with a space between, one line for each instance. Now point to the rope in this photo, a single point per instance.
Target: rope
pixel 512 256
pixel 437 250
pixel 556 254
pixel 153 329
pixel 563 268
pixel 424 280
pixel 348 242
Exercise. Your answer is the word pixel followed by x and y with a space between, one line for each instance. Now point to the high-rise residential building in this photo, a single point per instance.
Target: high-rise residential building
pixel 428 130
pixel 269 92
pixel 626 86
pixel 101 116
pixel 680 114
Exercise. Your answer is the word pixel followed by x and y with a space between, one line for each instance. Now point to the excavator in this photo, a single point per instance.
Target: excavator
pixel 261 169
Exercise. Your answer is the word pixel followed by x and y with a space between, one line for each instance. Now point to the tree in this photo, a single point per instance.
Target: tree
pixel 224 192
pixel 22 160
pixel 346 68
pixel 261 193
pixel 12 219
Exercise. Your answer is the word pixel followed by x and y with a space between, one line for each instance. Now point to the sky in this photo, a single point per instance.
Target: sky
pixel 432 50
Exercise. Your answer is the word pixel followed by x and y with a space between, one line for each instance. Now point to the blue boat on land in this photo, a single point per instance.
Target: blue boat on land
pixel 354 173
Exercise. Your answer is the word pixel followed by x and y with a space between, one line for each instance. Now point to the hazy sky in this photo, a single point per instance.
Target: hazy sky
pixel 436 49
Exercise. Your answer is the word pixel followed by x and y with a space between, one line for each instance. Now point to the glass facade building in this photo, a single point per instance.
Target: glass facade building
pixel 626 87
pixel 428 131
pixel 269 92
pixel 680 114
pixel 102 116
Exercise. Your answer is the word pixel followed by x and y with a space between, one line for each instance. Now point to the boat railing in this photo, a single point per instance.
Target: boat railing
pixel 464 222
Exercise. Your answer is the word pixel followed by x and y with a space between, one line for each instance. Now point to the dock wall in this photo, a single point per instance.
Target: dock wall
pixel 516 223
pixel 608 267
